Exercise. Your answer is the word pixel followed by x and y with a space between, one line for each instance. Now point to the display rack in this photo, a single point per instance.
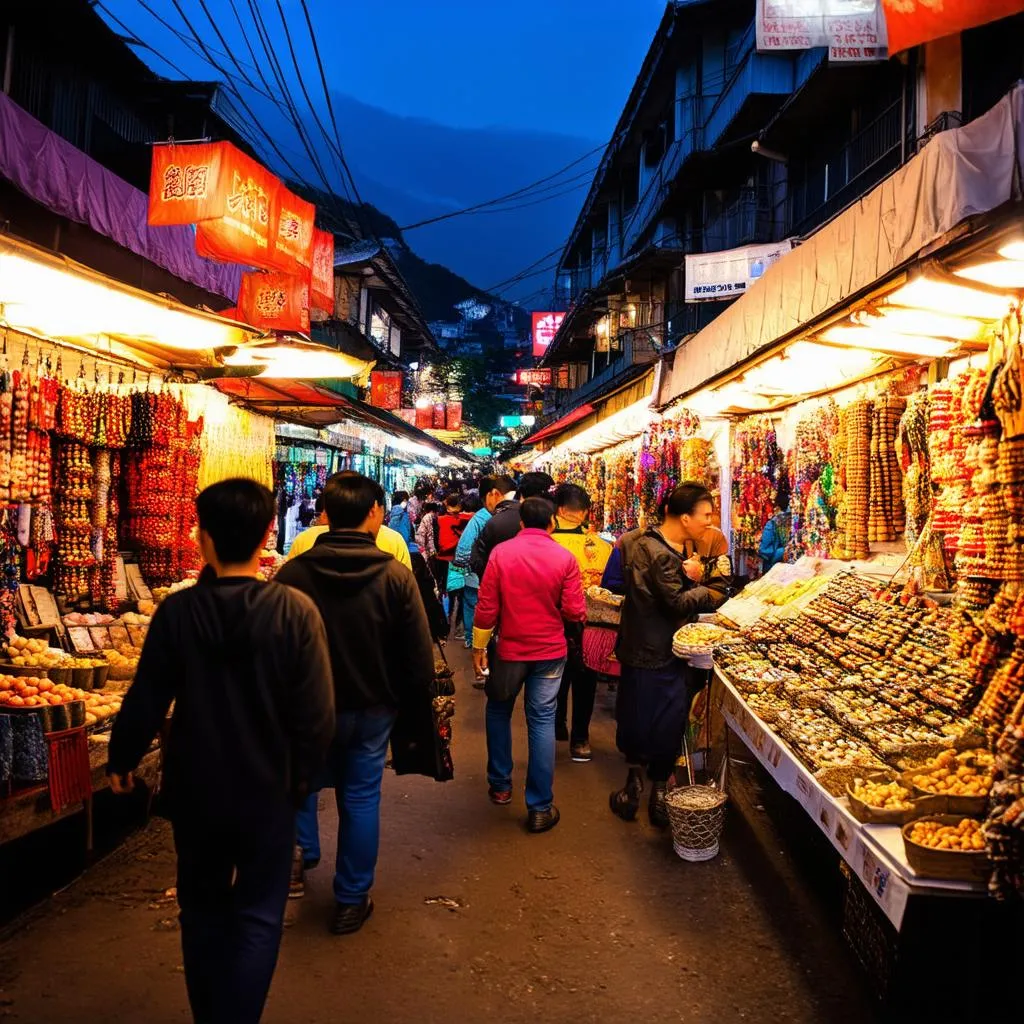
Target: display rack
pixel 874 853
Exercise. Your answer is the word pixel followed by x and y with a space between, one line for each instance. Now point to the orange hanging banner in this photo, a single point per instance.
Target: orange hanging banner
pixel 274 301
pixel 244 231
pixel 912 22
pixel 293 240
pixel 321 288
pixel 184 183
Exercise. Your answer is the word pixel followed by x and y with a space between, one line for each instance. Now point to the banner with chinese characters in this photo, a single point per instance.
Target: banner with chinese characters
pixel 274 301
pixel 321 285
pixel 912 22
pixel 425 416
pixel 539 378
pixel 853 30
pixel 184 183
pixel 293 240
pixel 453 416
pixel 386 389
pixel 545 327
pixel 245 233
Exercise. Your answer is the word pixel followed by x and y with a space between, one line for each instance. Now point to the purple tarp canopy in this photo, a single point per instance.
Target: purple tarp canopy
pixel 63 179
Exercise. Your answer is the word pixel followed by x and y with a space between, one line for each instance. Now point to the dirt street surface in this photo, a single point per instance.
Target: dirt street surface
pixel 595 921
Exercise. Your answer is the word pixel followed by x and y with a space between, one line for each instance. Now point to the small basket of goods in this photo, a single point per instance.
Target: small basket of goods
pixel 947 846
pixel 35 658
pixel 697 641
pixel 881 799
pixel 603 607
pixel 963 780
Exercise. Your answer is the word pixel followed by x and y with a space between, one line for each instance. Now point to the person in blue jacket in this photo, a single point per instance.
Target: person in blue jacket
pixel 775 537
pixel 400 520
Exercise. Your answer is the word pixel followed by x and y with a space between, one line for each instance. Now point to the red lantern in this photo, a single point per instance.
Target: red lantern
pixel 386 389
pixel 425 417
pixel 245 231
pixel 184 183
pixel 454 416
pixel 293 240
pixel 274 301
pixel 321 288
pixel 920 21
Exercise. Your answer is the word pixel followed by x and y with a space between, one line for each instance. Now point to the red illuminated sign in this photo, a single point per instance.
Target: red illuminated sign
pixel 536 378
pixel 545 327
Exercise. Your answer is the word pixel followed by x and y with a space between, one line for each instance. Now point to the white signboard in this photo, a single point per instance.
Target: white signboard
pixel 726 274
pixel 853 30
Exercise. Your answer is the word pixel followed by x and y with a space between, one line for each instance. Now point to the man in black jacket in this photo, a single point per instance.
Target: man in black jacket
pixel 504 523
pixel 653 702
pixel 245 664
pixel 382 657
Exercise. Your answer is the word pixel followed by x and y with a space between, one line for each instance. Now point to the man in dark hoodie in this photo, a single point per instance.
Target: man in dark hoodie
pixel 381 655
pixel 504 523
pixel 246 665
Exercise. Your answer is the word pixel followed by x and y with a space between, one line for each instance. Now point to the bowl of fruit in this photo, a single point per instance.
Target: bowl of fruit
pixel 947 846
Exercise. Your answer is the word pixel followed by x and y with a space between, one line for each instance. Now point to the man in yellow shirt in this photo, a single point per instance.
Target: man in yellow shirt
pixel 592 553
pixel 387 539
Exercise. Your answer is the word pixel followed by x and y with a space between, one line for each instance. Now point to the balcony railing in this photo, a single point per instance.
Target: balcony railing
pixel 748 218
pixel 872 154
pixel 637 347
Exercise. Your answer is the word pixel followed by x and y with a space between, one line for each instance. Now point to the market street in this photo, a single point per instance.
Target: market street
pixel 595 921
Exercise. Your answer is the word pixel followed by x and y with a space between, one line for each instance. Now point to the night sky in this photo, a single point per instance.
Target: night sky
pixel 564 66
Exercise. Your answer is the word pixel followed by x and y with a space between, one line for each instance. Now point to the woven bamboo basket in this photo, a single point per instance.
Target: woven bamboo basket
pixel 956 865
pixel 697 815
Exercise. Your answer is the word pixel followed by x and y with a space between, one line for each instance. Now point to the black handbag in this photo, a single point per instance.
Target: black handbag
pixel 421 741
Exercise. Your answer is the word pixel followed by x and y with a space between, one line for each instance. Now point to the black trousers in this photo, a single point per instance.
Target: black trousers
pixel 232 891
pixel 582 683
pixel 652 711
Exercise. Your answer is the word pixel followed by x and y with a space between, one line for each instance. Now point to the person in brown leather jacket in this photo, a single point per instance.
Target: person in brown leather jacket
pixel 654 695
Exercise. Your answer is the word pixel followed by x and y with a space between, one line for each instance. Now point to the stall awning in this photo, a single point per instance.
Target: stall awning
pixel 960 174
pixel 313 405
pixel 579 413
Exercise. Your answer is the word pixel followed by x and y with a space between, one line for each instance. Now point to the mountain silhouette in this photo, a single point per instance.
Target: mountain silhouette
pixel 412 169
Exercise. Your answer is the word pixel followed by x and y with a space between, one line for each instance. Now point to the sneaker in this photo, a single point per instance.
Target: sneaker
pixel 297 882
pixel 501 797
pixel 350 917
pixel 581 752
pixel 543 821
pixel 460 632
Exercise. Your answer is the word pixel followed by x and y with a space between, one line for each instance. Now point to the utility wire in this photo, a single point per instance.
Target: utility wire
pixel 205 55
pixel 327 96
pixel 511 195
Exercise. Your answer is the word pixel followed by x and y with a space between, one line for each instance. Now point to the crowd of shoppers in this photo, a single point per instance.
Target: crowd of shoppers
pixel 281 690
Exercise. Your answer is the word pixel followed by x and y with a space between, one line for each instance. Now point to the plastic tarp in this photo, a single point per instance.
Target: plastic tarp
pixel 959 174
pixel 62 178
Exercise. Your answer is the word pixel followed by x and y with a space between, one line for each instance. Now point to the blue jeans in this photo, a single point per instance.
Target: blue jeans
pixel 543 680
pixel 232 890
pixel 357 765
pixel 469 599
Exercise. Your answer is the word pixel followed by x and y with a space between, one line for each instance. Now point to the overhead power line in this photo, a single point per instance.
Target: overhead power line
pixel 519 192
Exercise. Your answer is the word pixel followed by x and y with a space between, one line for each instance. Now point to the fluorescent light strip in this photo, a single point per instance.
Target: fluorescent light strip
pixel 890 342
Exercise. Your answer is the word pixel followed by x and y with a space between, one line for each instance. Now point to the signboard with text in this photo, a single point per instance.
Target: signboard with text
pixel 545 327
pixel 724 275
pixel 540 378
pixel 853 30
